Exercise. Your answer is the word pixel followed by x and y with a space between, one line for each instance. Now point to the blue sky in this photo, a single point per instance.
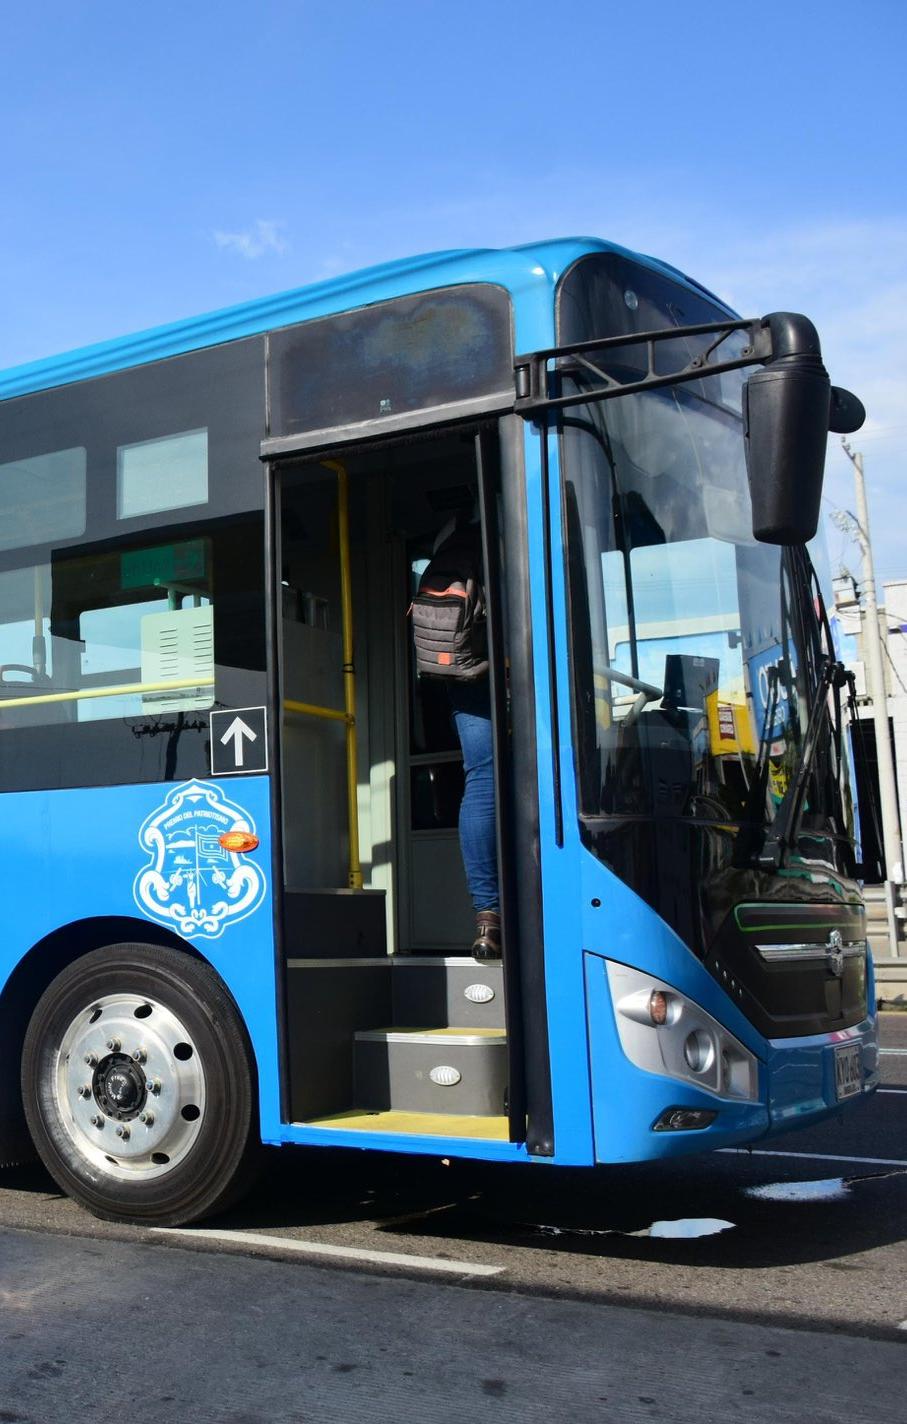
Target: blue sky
pixel 160 161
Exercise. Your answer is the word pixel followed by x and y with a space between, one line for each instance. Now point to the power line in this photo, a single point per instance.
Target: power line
pixel 887 652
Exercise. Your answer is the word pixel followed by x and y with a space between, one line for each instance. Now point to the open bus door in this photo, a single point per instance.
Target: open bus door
pixel 390 1024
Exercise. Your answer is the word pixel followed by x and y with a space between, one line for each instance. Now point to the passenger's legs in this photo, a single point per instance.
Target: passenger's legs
pixel 471 708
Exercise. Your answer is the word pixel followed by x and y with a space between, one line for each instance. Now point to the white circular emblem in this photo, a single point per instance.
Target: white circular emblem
pixel 190 883
pixel 445 1076
pixel 478 993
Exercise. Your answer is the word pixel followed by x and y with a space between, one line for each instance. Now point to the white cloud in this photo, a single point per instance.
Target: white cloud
pixel 262 238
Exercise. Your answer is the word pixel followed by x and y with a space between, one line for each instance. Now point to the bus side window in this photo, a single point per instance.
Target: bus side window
pixel 108 634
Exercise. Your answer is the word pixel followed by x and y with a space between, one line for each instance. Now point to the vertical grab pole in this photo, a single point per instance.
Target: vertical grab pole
pixel 349 671
pixel 39 644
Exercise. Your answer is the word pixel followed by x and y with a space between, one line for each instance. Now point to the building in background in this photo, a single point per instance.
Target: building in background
pixel 888 933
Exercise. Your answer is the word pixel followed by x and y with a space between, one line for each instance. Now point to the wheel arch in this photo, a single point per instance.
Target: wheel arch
pixel 34 972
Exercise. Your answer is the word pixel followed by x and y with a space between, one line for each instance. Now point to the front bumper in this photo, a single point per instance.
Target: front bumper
pixel 801 1075
pixel 795 1083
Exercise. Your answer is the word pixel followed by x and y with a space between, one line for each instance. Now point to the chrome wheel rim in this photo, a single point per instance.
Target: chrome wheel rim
pixel 129 1086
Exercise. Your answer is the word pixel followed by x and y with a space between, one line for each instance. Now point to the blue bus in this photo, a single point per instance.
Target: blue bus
pixel 236 911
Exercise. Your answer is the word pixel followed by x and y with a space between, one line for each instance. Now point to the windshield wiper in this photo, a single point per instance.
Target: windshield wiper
pixel 786 827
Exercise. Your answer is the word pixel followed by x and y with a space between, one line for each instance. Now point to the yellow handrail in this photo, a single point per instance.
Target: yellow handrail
pixel 309 709
pixel 349 671
pixel 123 689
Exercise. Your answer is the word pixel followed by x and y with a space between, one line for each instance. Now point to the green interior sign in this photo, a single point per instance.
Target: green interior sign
pixel 165 566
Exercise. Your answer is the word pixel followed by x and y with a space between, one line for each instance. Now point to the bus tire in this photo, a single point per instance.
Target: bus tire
pixel 139 1087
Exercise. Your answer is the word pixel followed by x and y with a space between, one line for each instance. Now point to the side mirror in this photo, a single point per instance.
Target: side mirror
pixel 847 411
pixel 788 409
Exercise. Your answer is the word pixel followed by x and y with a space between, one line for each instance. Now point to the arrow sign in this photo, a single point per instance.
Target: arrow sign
pixel 239 741
pixel 236 731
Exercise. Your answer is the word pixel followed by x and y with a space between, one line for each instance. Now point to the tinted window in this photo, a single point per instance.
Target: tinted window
pixel 116 684
pixel 409 354
pixel 91 460
pixel 168 473
pixel 42 497
pixel 117 635
pixel 111 634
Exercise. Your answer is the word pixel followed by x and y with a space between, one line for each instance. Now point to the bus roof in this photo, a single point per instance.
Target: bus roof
pixel 530 272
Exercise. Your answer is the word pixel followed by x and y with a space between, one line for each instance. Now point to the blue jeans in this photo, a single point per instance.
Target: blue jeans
pixel 471 708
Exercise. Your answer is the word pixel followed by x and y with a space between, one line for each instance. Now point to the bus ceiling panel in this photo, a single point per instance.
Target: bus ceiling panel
pixel 429 356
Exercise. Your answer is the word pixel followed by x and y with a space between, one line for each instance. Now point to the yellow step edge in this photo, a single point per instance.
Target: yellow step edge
pixel 416 1124
pixel 448 1032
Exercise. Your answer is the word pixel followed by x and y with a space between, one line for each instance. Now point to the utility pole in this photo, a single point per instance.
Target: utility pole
pixel 872 642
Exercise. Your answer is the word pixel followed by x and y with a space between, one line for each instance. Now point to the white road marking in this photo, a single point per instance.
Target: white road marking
pixel 324 1248
pixel 815 1156
pixel 891 1090
pixel 894 1052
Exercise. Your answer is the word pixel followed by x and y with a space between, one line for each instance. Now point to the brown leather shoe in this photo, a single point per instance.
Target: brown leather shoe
pixel 487 943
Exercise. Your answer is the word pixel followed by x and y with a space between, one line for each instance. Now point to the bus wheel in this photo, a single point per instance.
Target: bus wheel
pixel 138 1086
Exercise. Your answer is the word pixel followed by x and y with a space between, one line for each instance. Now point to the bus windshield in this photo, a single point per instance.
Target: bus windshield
pixel 695 649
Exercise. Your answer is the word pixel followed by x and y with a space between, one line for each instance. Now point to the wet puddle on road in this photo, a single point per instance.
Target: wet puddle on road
pixel 828 1189
pixel 682 1229
pixel 687 1228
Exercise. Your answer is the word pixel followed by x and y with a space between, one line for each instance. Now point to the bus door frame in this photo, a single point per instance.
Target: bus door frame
pixel 516 781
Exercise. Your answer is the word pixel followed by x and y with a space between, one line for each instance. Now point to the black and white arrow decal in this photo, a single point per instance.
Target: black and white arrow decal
pixel 238 732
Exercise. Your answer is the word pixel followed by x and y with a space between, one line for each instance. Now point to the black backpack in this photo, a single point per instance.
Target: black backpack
pixel 450 629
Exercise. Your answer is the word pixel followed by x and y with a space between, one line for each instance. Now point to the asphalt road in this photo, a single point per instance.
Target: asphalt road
pixel 457 1291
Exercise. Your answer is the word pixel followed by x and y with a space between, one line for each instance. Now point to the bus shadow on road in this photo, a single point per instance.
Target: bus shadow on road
pixel 725 1212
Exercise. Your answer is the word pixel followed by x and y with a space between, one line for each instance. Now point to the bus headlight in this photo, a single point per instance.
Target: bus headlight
pixel 663 1031
pixel 699 1051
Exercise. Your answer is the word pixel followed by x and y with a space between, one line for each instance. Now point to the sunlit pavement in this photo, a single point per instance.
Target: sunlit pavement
pixel 494 1264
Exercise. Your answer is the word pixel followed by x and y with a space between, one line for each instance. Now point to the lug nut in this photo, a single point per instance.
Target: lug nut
pixel 84 1091
pixel 154 1086
pixel 123 1132
pixel 140 1055
pixel 114 1045
pixel 147 1118
pixel 97 1120
pixel 91 1059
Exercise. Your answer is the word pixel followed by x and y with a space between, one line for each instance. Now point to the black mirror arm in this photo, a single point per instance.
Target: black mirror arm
pixel 775 340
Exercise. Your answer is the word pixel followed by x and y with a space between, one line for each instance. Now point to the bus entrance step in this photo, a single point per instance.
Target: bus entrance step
pixel 458 990
pixel 440 1070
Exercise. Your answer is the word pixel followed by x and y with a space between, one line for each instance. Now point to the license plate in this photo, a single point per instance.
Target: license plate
pixel 848 1070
